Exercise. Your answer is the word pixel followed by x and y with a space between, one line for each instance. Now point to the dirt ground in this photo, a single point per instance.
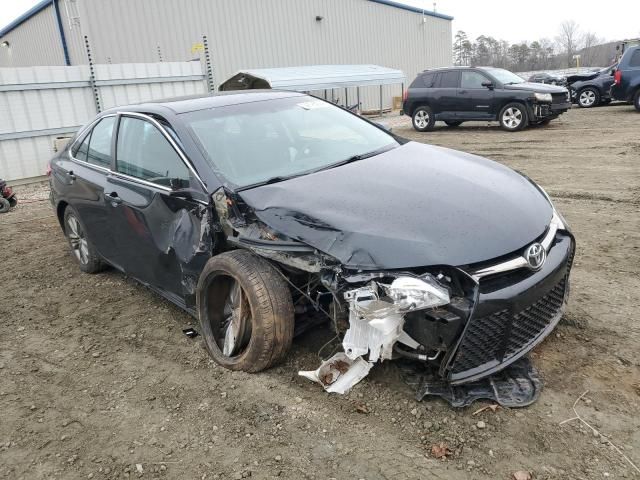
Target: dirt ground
pixel 98 381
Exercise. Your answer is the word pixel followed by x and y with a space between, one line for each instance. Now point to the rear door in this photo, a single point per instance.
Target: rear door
pixel 445 94
pixel 159 234
pixel 81 179
pixel 475 101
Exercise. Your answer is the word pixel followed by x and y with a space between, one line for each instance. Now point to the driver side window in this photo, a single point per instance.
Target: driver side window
pixel 473 80
pixel 143 152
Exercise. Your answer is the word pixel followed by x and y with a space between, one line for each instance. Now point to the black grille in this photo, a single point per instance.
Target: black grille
pixel 559 97
pixel 498 337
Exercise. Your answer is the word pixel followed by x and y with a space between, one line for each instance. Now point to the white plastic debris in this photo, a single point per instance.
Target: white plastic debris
pixel 339 373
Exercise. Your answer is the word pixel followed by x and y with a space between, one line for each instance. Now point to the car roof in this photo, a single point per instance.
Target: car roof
pixel 455 68
pixel 193 103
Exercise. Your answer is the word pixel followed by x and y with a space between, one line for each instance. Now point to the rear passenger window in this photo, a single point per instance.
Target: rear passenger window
pixel 100 143
pixel 80 151
pixel 144 152
pixel 472 80
pixel 448 80
pixel 427 80
pixel 635 59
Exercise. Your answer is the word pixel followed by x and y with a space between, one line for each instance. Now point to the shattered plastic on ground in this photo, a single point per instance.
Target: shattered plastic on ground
pixel 518 385
pixel 339 373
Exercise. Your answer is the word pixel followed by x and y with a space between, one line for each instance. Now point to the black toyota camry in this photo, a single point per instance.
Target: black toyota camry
pixel 257 211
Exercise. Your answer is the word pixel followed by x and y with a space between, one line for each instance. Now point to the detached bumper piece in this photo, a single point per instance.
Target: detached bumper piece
pixel 519 385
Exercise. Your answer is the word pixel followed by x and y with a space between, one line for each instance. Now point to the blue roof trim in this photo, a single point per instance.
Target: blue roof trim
pixel 26 16
pixel 413 9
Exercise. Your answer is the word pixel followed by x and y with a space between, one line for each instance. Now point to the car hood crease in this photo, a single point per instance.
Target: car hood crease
pixel 416 205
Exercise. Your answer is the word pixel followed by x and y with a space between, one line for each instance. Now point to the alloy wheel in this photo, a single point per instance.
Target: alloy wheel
pixel 587 98
pixel 78 240
pixel 512 117
pixel 235 328
pixel 421 119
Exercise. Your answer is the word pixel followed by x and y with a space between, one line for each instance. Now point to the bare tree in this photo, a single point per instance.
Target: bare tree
pixel 569 38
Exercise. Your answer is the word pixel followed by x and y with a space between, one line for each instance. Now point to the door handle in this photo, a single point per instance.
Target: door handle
pixel 114 199
pixel 71 176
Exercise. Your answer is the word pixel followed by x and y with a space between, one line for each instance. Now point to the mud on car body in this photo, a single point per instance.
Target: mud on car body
pixel 258 212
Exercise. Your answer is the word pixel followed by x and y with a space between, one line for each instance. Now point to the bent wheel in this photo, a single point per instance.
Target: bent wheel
pixel 245 310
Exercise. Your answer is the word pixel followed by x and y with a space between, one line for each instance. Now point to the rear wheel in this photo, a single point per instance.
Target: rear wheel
pixel 453 124
pixel 513 117
pixel 245 311
pixel 82 249
pixel 588 97
pixel 636 100
pixel 423 119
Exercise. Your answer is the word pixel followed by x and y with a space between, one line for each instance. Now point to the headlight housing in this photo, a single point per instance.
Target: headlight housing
pixel 543 97
pixel 410 293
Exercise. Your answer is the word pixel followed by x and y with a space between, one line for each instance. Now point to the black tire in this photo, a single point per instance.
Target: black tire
pixel 588 97
pixel 636 100
pixel 423 119
pixel 513 117
pixel 453 124
pixel 5 206
pixel 81 248
pixel 13 201
pixel 235 284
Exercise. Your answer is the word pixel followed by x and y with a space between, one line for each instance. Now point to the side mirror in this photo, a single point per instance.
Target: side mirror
pixel 489 85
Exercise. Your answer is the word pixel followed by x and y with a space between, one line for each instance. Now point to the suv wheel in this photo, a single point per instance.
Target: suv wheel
pixel 245 310
pixel 588 97
pixel 423 119
pixel 636 100
pixel 513 117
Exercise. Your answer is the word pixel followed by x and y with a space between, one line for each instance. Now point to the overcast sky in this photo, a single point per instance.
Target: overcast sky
pixel 512 20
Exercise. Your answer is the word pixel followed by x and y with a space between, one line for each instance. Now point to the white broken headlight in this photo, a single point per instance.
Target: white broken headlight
pixel 410 293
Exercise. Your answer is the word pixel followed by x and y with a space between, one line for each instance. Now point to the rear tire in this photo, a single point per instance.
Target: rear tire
pixel 513 117
pixel 245 310
pixel 423 119
pixel 588 97
pixel 4 205
pixel 83 251
pixel 453 124
pixel 636 100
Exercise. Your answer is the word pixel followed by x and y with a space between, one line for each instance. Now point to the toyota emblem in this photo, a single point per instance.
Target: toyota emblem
pixel 535 256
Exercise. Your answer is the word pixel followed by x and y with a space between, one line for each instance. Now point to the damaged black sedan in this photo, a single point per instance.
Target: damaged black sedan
pixel 257 211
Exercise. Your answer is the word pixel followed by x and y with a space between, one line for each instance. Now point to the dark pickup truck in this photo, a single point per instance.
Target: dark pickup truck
pixel 626 85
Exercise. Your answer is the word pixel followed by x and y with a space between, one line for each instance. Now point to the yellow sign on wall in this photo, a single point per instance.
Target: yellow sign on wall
pixel 197 47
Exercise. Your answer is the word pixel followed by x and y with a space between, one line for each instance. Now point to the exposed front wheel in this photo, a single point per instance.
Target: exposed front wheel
pixel 588 97
pixel 245 310
pixel 513 117
pixel 423 119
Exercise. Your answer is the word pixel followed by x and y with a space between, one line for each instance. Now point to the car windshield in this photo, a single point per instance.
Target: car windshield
pixel 272 140
pixel 504 76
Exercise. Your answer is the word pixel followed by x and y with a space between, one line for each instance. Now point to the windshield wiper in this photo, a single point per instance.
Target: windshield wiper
pixel 269 181
pixel 360 156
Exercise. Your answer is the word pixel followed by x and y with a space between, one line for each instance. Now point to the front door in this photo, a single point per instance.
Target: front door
pixel 159 234
pixel 475 101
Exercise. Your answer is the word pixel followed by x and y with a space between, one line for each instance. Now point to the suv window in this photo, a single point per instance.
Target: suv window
pixel 448 80
pixel 99 152
pixel 472 79
pixel 143 152
pixel 634 61
pixel 428 79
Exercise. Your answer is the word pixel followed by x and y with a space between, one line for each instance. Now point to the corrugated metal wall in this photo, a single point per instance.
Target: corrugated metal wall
pixel 257 34
pixel 34 42
pixel 39 104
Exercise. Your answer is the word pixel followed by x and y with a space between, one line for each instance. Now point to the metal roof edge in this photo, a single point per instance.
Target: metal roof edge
pixel 26 16
pixel 403 6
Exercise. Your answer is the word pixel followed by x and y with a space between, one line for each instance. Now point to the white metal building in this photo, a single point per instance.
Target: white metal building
pixel 239 34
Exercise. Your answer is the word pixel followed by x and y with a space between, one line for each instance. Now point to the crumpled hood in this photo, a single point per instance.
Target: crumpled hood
pixel 536 87
pixel 415 205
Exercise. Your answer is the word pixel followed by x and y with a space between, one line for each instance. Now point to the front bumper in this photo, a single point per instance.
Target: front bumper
pixel 512 317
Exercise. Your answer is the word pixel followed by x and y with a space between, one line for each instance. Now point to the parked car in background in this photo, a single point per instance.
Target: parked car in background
pixel 455 95
pixel 591 89
pixel 255 210
pixel 626 84
pixel 548 78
